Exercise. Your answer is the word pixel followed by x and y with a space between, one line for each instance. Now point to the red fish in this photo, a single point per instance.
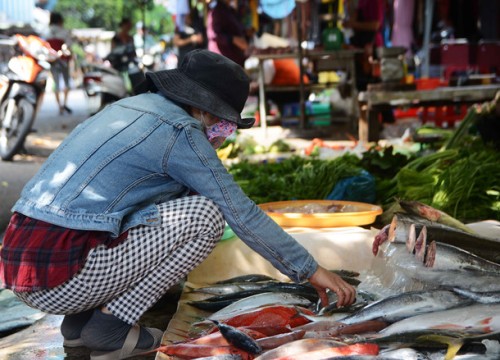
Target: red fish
pixel 269 330
pixel 273 315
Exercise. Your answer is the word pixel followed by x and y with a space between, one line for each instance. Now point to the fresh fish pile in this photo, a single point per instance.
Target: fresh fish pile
pixel 443 303
pixel 284 325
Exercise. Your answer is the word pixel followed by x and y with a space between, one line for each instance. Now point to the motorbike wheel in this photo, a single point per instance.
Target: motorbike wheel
pixel 13 131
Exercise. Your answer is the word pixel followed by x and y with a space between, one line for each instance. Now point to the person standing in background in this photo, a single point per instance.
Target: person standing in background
pixel 59 39
pixel 366 20
pixel 123 52
pixel 402 31
pixel 191 36
pixel 226 33
pixel 123 37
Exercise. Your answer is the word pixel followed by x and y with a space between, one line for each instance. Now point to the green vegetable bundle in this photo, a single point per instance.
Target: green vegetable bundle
pixel 295 178
pixel 461 182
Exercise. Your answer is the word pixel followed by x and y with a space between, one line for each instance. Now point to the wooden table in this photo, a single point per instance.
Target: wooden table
pixel 373 101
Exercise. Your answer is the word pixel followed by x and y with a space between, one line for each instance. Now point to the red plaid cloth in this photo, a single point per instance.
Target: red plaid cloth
pixel 36 255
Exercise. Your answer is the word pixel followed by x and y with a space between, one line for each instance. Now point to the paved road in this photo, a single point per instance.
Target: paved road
pixel 50 129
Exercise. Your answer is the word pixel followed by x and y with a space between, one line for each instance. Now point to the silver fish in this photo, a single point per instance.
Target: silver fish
pixel 488 297
pixel 401 306
pixel 473 319
pixel 401 227
pixel 444 265
pixel 448 257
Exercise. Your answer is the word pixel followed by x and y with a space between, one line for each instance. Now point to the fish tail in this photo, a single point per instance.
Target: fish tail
pixel 410 242
pixel 392 228
pixel 430 258
pixel 453 348
pixel 380 238
pixel 454 344
pixel 421 244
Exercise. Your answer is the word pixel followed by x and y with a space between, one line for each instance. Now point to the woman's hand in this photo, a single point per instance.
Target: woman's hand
pixel 323 279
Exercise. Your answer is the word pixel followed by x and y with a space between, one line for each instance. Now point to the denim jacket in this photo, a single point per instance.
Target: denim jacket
pixel 112 170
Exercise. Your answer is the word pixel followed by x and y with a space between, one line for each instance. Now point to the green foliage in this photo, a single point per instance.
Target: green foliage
pixel 295 178
pixel 107 14
pixel 91 13
pixel 463 183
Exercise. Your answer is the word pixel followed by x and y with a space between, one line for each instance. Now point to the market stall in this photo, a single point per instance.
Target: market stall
pixel 422 276
pixel 373 101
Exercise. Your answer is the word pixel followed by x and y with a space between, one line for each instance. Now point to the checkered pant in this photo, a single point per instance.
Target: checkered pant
pixel 130 278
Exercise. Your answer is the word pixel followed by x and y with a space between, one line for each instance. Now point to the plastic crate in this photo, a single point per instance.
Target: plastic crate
pixel 488 57
pixel 458 53
pixel 322 114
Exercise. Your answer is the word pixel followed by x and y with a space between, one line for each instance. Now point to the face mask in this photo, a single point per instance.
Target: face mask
pixel 217 133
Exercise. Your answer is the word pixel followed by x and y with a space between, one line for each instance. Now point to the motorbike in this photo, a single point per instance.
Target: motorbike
pixel 113 80
pixel 22 84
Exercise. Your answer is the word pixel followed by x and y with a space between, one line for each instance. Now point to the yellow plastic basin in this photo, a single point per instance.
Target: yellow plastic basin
pixel 355 214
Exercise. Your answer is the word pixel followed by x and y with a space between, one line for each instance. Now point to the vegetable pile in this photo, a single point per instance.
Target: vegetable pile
pixel 295 178
pixel 462 178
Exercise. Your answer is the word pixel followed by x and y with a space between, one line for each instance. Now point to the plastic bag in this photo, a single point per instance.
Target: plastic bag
pixel 359 188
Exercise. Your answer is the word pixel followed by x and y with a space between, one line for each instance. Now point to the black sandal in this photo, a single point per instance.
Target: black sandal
pixel 129 347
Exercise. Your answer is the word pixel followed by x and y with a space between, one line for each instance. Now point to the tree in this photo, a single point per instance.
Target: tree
pixel 107 14
pixel 91 13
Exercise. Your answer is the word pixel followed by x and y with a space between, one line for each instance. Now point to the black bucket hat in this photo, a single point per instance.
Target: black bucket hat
pixel 207 81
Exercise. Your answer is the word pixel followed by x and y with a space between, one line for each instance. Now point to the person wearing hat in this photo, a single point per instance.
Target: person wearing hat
pixel 135 198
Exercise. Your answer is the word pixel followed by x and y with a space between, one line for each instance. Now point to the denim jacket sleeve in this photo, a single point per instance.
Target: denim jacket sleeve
pixel 193 162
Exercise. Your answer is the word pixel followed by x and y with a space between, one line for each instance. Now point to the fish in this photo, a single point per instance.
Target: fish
pixel 258 300
pixel 401 226
pixel 270 315
pixel 195 351
pixel 219 302
pixel 272 342
pixel 402 271
pixel 448 257
pixel 217 338
pixel 251 278
pixel 444 256
pixel 431 214
pixel 401 306
pixel 487 297
pixel 472 319
pixel 341 329
pixel 223 289
pixel 238 338
pixel 298 347
pixel 362 299
pixel 221 357
pixel 451 339
pixel 324 353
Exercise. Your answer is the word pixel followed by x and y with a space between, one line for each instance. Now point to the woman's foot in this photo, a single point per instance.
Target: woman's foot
pixel 111 338
pixel 71 327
